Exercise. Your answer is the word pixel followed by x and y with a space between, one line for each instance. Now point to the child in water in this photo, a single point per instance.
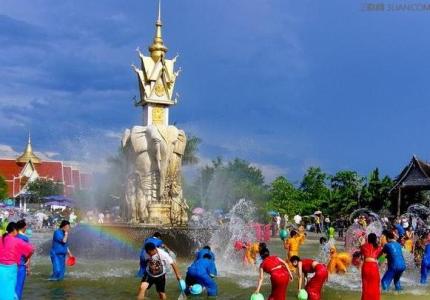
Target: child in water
pixel 156 262
pixel 203 271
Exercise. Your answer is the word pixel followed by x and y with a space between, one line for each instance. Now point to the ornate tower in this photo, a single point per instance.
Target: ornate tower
pixel 156 78
pixel 154 150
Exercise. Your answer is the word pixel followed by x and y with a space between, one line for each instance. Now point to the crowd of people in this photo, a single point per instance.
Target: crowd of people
pixel 372 254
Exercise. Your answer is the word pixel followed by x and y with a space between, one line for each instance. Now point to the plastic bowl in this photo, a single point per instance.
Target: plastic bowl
pixel 303 295
pixel 71 261
pixel 196 289
pixel 257 296
pixel 283 234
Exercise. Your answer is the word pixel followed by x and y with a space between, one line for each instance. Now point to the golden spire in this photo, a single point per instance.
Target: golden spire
pixel 28 154
pixel 157 49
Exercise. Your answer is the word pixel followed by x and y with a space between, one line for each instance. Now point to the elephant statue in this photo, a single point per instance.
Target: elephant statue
pixel 154 155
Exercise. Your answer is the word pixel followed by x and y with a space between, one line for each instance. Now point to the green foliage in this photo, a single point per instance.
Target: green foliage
pixel 314 189
pixel 220 185
pixel 285 198
pixel 3 188
pixel 376 191
pixel 346 190
pixel 191 149
pixel 42 187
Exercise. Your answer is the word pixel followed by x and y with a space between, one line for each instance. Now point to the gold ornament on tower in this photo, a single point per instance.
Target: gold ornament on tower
pixel 159 89
pixel 158 115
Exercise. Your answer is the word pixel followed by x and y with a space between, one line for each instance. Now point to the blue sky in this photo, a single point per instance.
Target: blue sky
pixel 284 84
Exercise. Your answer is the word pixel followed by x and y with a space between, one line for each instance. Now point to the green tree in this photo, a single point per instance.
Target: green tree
pixel 377 189
pixel 220 185
pixel 42 187
pixel 285 198
pixel 346 190
pixel 315 190
pixel 191 150
pixel 3 188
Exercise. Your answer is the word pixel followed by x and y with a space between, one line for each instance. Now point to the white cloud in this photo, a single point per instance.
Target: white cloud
pixel 113 134
pixel 7 151
pixel 51 154
pixel 270 171
pixel 48 155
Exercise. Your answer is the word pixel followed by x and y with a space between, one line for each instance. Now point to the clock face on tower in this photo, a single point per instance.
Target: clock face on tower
pixel 159 89
pixel 158 115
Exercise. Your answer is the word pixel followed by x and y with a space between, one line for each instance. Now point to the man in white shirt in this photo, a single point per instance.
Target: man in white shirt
pixel 155 261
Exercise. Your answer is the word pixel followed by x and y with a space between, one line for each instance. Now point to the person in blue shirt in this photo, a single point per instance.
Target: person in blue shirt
pixel 59 250
pixel 400 230
pixel 23 266
pixel 202 271
pixel 425 263
pixel 203 251
pixel 396 263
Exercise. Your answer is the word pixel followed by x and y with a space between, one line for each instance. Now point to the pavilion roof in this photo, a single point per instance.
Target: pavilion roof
pixel 415 175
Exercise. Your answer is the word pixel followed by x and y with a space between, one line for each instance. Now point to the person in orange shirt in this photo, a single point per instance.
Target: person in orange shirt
pixel 409 240
pixel 339 262
pixel 251 253
pixel 293 243
pixel 302 233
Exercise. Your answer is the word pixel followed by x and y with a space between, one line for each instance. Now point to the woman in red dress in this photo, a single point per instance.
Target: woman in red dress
pixel 371 281
pixel 315 284
pixel 280 275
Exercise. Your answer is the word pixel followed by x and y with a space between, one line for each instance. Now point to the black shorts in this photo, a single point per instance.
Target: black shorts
pixel 160 282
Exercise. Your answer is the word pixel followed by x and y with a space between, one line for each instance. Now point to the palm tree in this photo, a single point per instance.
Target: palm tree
pixel 191 149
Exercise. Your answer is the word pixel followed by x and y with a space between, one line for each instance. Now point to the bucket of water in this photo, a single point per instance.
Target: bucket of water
pixel 196 289
pixel 257 296
pixel 71 261
pixel 303 295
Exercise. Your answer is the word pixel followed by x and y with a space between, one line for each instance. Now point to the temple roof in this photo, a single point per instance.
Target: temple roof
pixel 415 175
pixel 28 154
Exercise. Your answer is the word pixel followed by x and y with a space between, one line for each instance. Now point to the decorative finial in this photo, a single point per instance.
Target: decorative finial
pixel 157 49
pixel 159 11
pixel 28 154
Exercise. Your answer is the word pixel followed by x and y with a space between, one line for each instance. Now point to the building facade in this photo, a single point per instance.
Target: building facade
pixel 27 167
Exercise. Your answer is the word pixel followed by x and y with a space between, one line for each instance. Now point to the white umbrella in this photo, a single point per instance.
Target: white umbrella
pixel 318 212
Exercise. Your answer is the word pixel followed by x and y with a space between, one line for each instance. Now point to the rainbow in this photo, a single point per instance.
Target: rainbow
pixel 120 236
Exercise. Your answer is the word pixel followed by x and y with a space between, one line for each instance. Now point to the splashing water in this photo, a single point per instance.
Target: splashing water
pixel 239 228
pixel 373 224
pixel 418 216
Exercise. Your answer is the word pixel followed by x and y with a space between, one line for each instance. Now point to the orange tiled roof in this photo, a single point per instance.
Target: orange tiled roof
pixel 9 168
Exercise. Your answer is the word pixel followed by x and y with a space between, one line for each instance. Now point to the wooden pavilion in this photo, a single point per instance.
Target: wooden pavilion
pixel 415 177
